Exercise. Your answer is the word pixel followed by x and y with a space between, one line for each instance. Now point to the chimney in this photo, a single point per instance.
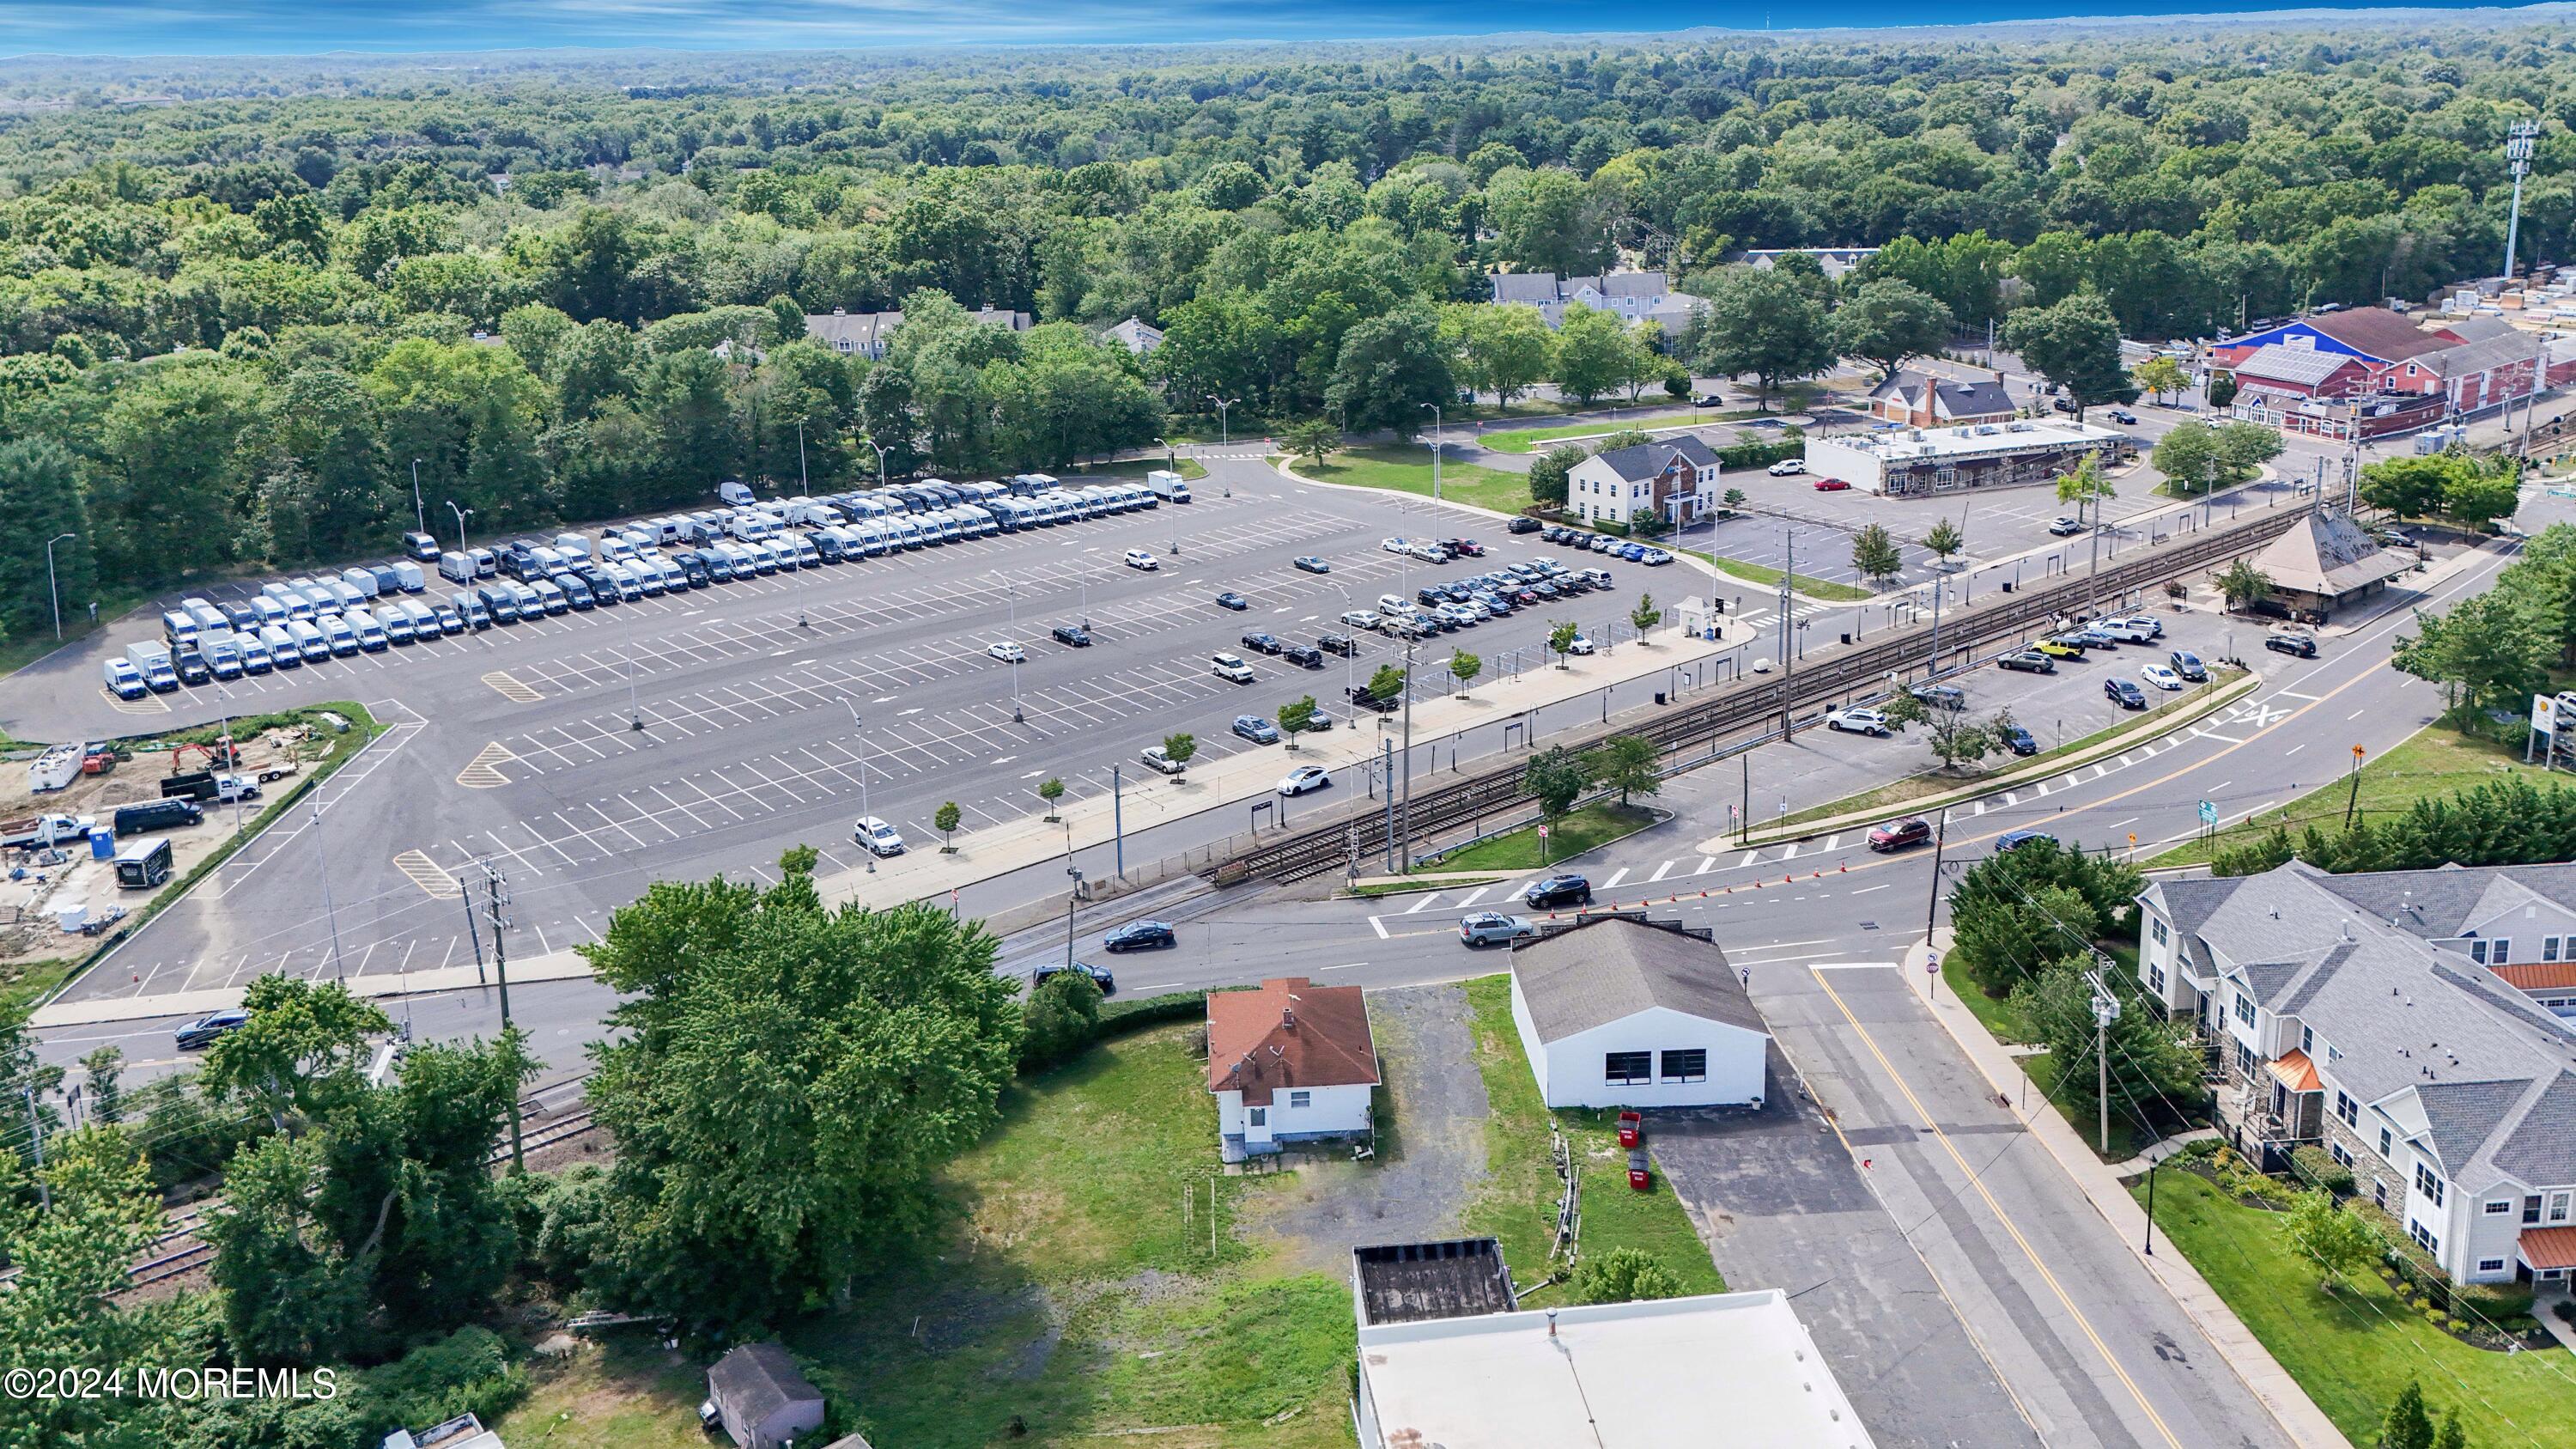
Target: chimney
pixel 1551 1323
pixel 1288 1018
pixel 840 311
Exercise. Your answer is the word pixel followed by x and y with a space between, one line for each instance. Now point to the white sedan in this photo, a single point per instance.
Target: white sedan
pixel 1395 545
pixel 1304 778
pixel 1006 651
pixel 2161 676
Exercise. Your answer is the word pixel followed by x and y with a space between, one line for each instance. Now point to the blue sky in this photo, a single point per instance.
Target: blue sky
pixel 260 27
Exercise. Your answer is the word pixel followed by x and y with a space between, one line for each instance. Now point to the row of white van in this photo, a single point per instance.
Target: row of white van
pixel 151 667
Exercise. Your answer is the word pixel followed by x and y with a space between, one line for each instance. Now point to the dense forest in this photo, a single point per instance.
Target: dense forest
pixel 240 302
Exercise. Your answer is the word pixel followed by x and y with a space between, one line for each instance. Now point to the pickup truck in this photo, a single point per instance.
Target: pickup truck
pixel 204 785
pixel 35 832
pixel 1361 697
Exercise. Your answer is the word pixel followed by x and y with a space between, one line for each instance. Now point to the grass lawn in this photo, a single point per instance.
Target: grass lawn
pixel 2353 1350
pixel 1133 468
pixel 1572 833
pixel 17 654
pixel 2004 1023
pixel 1897 793
pixel 2001 1021
pixel 1517 1203
pixel 1065 1287
pixel 1529 440
pixel 625 1394
pixel 1408 470
pixel 1769 577
pixel 1398 887
pixel 2434 761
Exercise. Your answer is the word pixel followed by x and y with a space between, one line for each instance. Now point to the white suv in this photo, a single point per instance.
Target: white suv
pixel 1230 666
pixel 1788 466
pixel 1360 619
pixel 1138 558
pixel 876 837
pixel 1857 721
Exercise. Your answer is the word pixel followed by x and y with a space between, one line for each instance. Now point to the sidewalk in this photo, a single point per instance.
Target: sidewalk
pixel 2101 1183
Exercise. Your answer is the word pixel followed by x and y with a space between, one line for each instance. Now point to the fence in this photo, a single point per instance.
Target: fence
pixel 1355 836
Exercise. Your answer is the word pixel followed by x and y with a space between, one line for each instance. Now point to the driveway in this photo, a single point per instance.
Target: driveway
pixel 1782 1205
pixel 1428 1164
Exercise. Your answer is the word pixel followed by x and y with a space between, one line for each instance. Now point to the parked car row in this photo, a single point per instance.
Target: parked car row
pixel 1629 549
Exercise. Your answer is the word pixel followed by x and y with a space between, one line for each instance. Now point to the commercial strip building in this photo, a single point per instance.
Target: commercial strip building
pixel 1918 462
pixel 1448 1358
pixel 2419 1026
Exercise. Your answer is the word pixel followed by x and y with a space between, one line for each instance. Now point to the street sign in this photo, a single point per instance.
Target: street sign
pixel 1542 832
pixel 2209 812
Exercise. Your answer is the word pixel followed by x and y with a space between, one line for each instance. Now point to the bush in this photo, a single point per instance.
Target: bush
pixel 1761 455
pixel 1060 1020
pixel 1624 1275
pixel 2312 1165
pixel 2565 1308
pixel 2493 1301
pixel 467 1372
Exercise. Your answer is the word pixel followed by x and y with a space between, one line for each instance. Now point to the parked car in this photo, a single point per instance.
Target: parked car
pixel 1072 634
pixel 1579 645
pixel 1494 928
pixel 1256 729
pixel 1314 565
pixel 2188 665
pixel 1394 545
pixel 1548 892
pixel 2162 676
pixel 1341 644
pixel 1522 525
pixel 2135 628
pixel 2019 740
pixel 205 1029
pixel 2012 840
pixel 2094 636
pixel 1832 485
pixel 1788 467
pixel 1262 643
pixel 2298 644
pixel 1101 976
pixel 2125 693
pixel 1858 721
pixel 1160 762
pixel 1138 558
pixel 876 837
pixel 1708 400
pixel 1941 696
pixel 1304 778
pixel 1007 651
pixel 2066 527
pixel 1230 666
pixel 1464 547
pixel 1140 936
pixel 1232 600
pixel 1304 655
pixel 2058 648
pixel 2027 661
pixel 1898 834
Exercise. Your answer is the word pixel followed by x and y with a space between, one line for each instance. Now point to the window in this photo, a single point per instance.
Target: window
pixel 2244 1008
pixel 1686 1066
pixel 2161 935
pixel 2308 1040
pixel 2156 977
pixel 2490 1265
pixel 2478 952
pixel 2549 948
pixel 2531 1209
pixel 1301 1099
pixel 2244 1060
pixel 2379 1191
pixel 2501 951
pixel 2428 1184
pixel 1258 1116
pixel 2347 1109
pixel 2337 1151
pixel 2383 1142
pixel 2424 1237
pixel 1628 1069
pixel 2558 1207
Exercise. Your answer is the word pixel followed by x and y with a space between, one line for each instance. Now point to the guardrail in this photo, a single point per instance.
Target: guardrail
pixel 1362 835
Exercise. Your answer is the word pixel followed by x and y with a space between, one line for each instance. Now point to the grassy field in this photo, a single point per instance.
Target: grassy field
pixel 1769 577
pixel 1529 440
pixel 1569 834
pixel 1898 793
pixel 1066 1290
pixel 2354 1349
pixel 1408 470
pixel 1517 1203
pixel 1133 469
pixel 2434 761
pixel 1398 887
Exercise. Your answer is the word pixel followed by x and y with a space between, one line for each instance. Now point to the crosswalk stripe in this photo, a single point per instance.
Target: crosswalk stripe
pixel 426 874
pixel 1661 871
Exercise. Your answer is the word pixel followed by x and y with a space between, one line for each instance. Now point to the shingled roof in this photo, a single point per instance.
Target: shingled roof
pixel 2326 553
pixel 1290 1033
pixel 1608 969
pixel 2377 331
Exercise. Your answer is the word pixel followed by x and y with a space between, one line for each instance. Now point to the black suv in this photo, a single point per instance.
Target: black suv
pixel 1558 890
pixel 1337 644
pixel 1262 643
pixel 1523 524
pixel 1303 654
pixel 2298 644
pixel 1073 634
pixel 1359 695
pixel 1101 976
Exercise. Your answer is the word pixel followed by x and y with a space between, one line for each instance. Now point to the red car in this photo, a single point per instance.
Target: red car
pixel 1464 547
pixel 1832 485
pixel 1898 834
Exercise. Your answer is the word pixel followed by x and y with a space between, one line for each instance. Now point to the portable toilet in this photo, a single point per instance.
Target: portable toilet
pixel 102 842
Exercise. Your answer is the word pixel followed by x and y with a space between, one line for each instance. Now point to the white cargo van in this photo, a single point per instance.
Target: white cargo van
pixel 456 567
pixel 362 580
pixel 340 634
pixel 734 493
pixel 308 640
pixel 255 658
pixel 282 649
pixel 123 679
pixel 371 630
pixel 550 597
pixel 409 576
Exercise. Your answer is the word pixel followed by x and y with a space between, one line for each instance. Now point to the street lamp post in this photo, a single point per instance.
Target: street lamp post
pixel 1435 453
pixel 462 514
pixel 1011 587
pixel 53 585
pixel 1223 435
pixel 861 728
pixel 800 455
pixel 419 514
pixel 880 447
pixel 2517 152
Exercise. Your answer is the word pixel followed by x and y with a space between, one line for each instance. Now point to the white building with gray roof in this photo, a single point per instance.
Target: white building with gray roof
pixel 2418 1025
pixel 1617 1012
pixel 1634 296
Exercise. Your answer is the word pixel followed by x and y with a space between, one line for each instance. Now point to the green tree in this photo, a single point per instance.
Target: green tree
pixel 102 1069
pixel 2242 585
pixel 2188 456
pixel 2086 485
pixel 1624 1275
pixel 1389 368
pixel 1464 667
pixel 1760 323
pixel 945 821
pixel 1051 791
pixel 303 1053
pixel 2151 1064
pixel 1595 353
pixel 2407 1425
pixel 1059 1021
pixel 1296 717
pixel 2015 912
pixel 2162 376
pixel 1875 554
pixel 70 1265
pixel 2341 1244
pixel 1956 740
pixel 1387 683
pixel 2075 344
pixel 2478 496
pixel 1548 473
pixel 1180 748
pixel 1557 777
pixel 1944 539
pixel 1313 440
pixel 1561 634
pixel 1734 500
pixel 1629 764
pixel 40 499
pixel 1547 221
pixel 2221 389
pixel 1645 615
pixel 782 1081
pixel 2485 654
pixel 1501 350
pixel 2409 487
pixel 2454 1434
pixel 1887 321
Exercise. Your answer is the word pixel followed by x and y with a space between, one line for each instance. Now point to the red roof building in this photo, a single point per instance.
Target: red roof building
pixel 1291 1062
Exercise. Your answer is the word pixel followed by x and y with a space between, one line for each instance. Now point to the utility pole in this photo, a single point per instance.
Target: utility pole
pixel 1386 771
pixel 473 933
pixel 2517 155
pixel 1408 756
pixel 419 514
pixel 2106 1010
pixel 1435 453
pixel 1932 907
pixel 322 863
pixel 2352 800
pixel 52 585
pixel 1788 574
pixel 1744 814
pixel 1118 821
pixel 498 894
pixel 36 1127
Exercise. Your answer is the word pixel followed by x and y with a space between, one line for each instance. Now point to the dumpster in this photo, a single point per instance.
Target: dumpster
pixel 1632 1129
pixel 1640 1176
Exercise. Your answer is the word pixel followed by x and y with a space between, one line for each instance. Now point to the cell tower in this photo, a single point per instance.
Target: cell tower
pixel 2517 155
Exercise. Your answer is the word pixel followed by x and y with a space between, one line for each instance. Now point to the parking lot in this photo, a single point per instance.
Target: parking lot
pixel 520 745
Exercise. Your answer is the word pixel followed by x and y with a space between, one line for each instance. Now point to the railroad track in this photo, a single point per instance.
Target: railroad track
pixel 1966 636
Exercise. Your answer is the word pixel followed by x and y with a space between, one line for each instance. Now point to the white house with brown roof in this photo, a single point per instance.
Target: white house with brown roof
pixel 1290 1062
pixel 1627 1013
pixel 1923 401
